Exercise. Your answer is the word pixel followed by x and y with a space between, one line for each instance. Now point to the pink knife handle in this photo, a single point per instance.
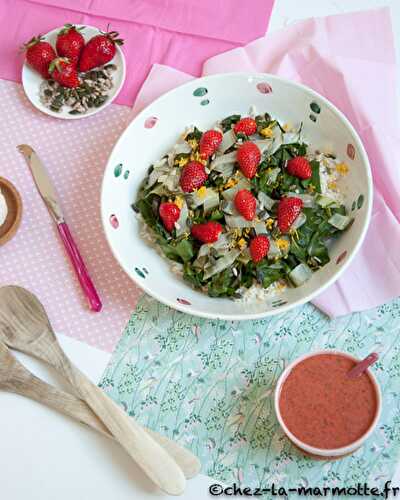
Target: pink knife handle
pixel 79 266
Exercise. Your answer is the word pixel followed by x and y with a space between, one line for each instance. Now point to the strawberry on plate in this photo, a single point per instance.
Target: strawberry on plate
pixel 245 204
pixel 289 209
pixel 39 55
pixel 248 157
pixel 99 50
pixel 193 176
pixel 246 126
pixel 209 143
pixel 70 42
pixel 299 167
pixel 259 247
pixel 64 72
pixel 208 232
pixel 169 214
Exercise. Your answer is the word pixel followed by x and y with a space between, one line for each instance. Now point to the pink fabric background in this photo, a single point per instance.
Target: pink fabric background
pixel 350 59
pixel 75 153
pixel 180 33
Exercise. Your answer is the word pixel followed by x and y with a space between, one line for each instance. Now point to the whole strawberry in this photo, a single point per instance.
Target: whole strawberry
pixel 259 247
pixel 193 176
pixel 299 167
pixel 64 72
pixel 39 55
pixel 169 214
pixel 99 50
pixel 245 204
pixel 209 143
pixel 70 42
pixel 208 232
pixel 248 157
pixel 288 211
pixel 246 126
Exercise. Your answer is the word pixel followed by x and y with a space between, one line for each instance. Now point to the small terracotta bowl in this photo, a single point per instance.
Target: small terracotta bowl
pixel 14 205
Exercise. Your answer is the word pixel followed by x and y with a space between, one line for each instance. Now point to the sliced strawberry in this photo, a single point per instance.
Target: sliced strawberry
pixel 169 214
pixel 259 247
pixel 208 232
pixel 288 211
pixel 193 176
pixel 245 126
pixel 248 157
pixel 245 204
pixel 299 167
pixel 209 143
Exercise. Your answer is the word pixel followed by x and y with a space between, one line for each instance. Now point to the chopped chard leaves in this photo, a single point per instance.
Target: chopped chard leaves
pixel 225 268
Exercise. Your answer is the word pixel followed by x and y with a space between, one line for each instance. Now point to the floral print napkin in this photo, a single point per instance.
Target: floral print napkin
pixel 209 385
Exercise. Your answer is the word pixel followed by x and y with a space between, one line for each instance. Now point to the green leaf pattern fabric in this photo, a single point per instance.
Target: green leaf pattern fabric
pixel 209 385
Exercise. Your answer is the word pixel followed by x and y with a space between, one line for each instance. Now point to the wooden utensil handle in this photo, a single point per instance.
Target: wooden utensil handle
pixel 28 385
pixel 21 381
pixel 157 464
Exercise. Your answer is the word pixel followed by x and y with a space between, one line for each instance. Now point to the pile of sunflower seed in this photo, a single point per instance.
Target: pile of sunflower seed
pixel 92 93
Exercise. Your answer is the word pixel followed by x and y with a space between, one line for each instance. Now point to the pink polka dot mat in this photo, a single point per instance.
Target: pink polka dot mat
pixel 75 153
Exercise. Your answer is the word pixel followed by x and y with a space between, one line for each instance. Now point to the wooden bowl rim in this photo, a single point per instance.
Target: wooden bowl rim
pixel 18 203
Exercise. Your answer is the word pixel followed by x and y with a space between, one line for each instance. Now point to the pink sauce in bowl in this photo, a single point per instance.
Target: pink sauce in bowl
pixel 322 410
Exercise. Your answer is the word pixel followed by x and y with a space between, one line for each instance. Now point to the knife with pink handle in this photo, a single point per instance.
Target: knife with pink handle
pixel 49 195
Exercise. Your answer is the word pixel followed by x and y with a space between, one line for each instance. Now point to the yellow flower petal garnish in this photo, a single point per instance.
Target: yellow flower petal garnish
pixel 267 132
pixel 178 201
pixel 342 168
pixel 242 243
pixel 282 244
pixel 269 223
pixel 237 233
pixel 193 143
pixel 202 192
pixel 231 182
pixel 195 156
pixel 332 185
pixel 181 162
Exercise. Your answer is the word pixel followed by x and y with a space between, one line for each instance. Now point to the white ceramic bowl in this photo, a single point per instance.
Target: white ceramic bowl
pixel 336 452
pixel 202 102
pixel 31 80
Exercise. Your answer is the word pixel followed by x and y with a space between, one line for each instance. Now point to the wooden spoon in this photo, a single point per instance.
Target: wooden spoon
pixel 14 377
pixel 24 326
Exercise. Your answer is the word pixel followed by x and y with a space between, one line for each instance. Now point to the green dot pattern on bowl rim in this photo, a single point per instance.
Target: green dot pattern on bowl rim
pixel 118 170
pixel 200 92
pixel 315 108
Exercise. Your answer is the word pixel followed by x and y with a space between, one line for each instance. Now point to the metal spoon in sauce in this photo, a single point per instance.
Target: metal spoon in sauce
pixel 362 366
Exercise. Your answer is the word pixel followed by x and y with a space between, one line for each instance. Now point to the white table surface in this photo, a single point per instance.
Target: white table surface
pixel 45 456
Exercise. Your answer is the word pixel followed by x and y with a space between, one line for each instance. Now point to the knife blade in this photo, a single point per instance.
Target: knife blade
pixel 43 182
pixel 49 195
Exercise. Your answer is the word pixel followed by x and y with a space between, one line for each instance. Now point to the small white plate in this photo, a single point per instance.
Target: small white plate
pixel 31 80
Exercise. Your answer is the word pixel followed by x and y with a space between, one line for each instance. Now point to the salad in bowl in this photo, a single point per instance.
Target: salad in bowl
pixel 244 208
pixel 251 194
